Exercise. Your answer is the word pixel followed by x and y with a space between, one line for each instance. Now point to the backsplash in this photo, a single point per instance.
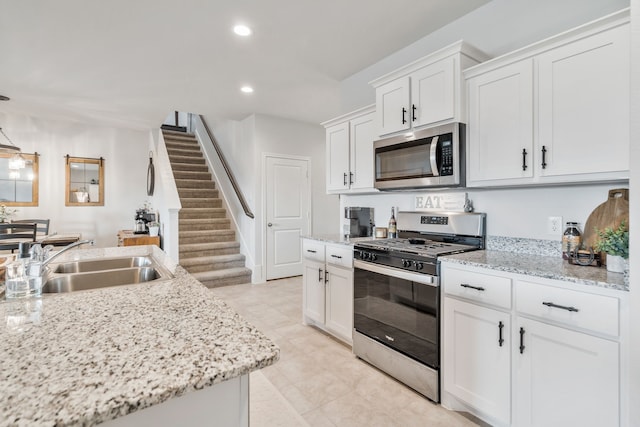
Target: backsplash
pixel 522 245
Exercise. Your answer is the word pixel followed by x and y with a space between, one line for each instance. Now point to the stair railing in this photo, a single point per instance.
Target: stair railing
pixel 227 169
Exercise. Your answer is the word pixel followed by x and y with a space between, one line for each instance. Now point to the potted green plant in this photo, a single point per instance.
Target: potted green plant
pixel 615 243
pixel 154 228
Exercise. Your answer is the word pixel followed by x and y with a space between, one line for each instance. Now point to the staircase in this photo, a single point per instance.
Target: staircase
pixel 208 248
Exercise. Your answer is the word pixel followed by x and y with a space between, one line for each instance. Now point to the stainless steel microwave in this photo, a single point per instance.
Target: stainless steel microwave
pixel 432 157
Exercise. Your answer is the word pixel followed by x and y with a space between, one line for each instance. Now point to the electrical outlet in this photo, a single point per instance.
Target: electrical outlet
pixel 554 225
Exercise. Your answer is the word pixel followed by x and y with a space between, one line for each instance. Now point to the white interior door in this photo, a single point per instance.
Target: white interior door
pixel 287 214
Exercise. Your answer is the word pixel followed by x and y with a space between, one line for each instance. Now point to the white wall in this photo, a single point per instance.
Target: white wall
pixel 496 28
pixel 518 212
pixel 125 168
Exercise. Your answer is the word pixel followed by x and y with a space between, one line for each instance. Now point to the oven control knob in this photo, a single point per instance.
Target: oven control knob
pixel 373 257
pixel 419 266
pixel 406 263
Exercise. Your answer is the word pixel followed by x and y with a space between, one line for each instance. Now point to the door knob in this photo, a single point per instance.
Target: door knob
pixel 269 225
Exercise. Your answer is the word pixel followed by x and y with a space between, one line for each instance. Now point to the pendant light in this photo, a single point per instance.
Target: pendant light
pixel 16 162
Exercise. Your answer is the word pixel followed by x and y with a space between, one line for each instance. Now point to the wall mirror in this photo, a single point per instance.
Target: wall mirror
pixel 85 181
pixel 19 187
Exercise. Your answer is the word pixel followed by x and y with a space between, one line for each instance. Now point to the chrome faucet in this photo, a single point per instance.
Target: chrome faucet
pixel 63 250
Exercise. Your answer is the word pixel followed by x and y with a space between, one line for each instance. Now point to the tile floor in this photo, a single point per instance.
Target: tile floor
pixel 317 379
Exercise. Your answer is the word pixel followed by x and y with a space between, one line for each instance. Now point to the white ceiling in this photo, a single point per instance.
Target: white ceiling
pixel 131 62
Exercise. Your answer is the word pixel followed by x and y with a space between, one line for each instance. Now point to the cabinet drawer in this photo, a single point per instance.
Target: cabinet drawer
pixel 579 309
pixel 484 288
pixel 340 255
pixel 313 249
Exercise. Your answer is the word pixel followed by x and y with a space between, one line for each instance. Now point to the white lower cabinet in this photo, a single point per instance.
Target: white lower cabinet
pixel 477 351
pixel 548 355
pixel 327 281
pixel 313 290
pixel 565 378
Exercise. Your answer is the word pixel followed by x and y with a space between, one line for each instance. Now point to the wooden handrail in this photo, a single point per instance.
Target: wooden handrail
pixel 228 170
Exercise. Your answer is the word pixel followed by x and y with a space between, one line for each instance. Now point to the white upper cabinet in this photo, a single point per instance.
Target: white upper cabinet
pixel 433 92
pixel 338 157
pixel 553 112
pixel 349 140
pixel 392 102
pixel 501 124
pixel 427 92
pixel 583 96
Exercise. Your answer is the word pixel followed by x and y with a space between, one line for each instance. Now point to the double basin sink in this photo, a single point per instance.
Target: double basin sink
pixel 102 273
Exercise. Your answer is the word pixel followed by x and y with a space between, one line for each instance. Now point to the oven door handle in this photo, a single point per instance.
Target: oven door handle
pixel 433 159
pixel 425 279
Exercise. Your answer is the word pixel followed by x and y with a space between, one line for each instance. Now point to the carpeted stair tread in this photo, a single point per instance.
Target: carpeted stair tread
pixel 192 224
pixel 231 276
pixel 202 202
pixel 186 152
pixel 198 193
pixel 189 167
pixel 194 250
pixel 190 174
pixel 194 183
pixel 187 159
pixel 183 145
pixel 212 263
pixel 194 213
pixel 173 135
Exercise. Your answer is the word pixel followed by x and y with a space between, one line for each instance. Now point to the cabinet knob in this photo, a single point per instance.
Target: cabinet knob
pixel 269 225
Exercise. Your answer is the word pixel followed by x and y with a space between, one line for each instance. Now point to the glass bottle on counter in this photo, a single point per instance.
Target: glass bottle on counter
pixel 571 239
pixel 392 232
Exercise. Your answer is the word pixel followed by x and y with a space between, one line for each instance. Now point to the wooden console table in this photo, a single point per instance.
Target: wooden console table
pixel 129 238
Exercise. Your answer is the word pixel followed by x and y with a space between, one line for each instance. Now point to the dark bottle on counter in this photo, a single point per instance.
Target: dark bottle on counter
pixel 571 239
pixel 392 232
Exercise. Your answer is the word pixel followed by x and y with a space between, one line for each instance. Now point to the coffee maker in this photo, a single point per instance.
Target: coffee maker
pixel 359 222
pixel 143 218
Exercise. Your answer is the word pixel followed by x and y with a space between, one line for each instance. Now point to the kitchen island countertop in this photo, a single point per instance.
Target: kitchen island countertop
pixel 540 266
pixel 86 357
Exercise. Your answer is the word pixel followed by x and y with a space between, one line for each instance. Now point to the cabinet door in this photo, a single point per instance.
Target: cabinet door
pixel 476 365
pixel 392 106
pixel 500 144
pixel 361 132
pixel 313 290
pixel 584 108
pixel 339 302
pixel 338 157
pixel 433 93
pixel 564 378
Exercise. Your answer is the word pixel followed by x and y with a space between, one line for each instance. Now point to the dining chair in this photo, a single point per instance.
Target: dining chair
pixel 42 225
pixel 12 234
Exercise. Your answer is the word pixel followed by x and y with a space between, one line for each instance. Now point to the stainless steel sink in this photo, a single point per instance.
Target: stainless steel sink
pixel 103 273
pixel 100 279
pixel 102 264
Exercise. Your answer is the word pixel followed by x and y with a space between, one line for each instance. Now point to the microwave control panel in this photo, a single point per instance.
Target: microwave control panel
pixel 446 167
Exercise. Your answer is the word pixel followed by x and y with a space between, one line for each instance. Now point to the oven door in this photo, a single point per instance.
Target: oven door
pixel 399 309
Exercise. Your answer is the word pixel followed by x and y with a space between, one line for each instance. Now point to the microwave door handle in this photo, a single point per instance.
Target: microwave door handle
pixel 433 158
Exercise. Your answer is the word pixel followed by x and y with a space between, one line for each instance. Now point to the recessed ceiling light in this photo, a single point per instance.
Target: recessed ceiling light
pixel 242 30
pixel 246 89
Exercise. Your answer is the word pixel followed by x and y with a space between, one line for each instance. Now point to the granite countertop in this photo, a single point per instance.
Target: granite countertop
pixel 337 238
pixel 541 266
pixel 86 357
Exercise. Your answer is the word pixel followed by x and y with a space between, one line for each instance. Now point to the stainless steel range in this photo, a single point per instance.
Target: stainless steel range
pixel 397 294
